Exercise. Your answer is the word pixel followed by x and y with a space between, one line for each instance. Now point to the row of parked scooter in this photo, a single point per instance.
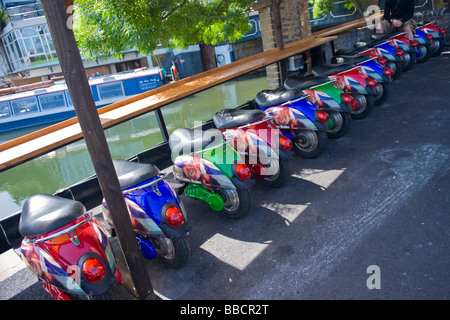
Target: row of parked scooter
pixel 69 249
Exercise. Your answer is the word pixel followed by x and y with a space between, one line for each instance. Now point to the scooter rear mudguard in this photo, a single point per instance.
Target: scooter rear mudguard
pixel 59 261
pixel 402 42
pixel 323 101
pixel 288 117
pixel 374 70
pixel 198 170
pixel 387 51
pixel 352 81
pixel 147 208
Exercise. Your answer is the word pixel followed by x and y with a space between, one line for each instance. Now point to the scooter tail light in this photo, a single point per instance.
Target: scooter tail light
pixel 414 43
pixel 243 172
pixel 323 116
pixel 382 60
pixel 372 83
pixel 388 72
pixel 174 216
pixel 350 101
pixel 400 52
pixel 443 31
pixel 429 36
pixel 93 269
pixel 285 143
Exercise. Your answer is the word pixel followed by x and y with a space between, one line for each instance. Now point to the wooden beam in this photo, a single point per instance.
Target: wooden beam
pixel 43 141
pixel 92 130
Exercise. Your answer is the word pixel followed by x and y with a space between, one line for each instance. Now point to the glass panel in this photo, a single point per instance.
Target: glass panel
pixel 202 106
pixel 51 101
pixel 24 106
pixel 5 112
pixel 110 90
pixel 134 136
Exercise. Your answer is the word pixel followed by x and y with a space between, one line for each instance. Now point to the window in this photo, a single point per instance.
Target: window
pixel 51 101
pixel 5 112
pixel 24 106
pixel 110 90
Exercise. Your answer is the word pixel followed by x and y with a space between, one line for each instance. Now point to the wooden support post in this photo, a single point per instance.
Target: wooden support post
pixel 278 35
pixel 85 108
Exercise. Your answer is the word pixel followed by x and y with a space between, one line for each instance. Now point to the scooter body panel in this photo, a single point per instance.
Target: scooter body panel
pixel 195 169
pixel 57 261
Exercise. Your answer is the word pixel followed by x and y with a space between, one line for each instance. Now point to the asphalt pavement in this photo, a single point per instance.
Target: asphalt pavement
pixel 368 219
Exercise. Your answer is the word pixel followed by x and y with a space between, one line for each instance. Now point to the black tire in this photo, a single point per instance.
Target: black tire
pixel 439 46
pixel 237 202
pixel 398 69
pixel 409 61
pixel 343 120
pixel 367 103
pixel 386 91
pixel 425 53
pixel 103 296
pixel 309 144
pixel 173 253
pixel 284 172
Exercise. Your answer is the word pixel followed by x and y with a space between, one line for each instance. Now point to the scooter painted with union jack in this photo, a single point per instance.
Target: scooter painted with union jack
pixel 67 248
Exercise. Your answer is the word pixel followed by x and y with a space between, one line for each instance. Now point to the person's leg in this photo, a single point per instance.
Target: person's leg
pixel 409 27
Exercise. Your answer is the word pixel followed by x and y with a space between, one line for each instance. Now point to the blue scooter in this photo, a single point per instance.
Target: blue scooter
pixel 297 118
pixel 156 211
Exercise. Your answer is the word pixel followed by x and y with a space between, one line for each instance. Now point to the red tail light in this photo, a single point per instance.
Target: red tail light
pixel 400 52
pixel 93 270
pixel 372 83
pixel 350 101
pixel 414 43
pixel 429 36
pixel 242 171
pixel 285 143
pixel 382 60
pixel 174 216
pixel 388 72
pixel 323 116
pixel 443 31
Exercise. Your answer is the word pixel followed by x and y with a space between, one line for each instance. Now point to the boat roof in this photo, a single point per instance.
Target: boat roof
pixel 62 86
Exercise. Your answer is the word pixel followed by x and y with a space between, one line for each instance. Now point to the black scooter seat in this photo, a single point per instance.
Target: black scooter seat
pixel 190 140
pixel 230 118
pixel 132 173
pixel 42 213
pixel 354 59
pixel 267 98
pixel 331 68
pixel 294 83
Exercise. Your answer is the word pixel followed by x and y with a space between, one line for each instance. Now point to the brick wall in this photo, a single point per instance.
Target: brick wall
pixel 295 26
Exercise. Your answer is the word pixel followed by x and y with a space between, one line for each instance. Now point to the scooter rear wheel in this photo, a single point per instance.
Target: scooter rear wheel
pixel 237 202
pixel 309 144
pixel 409 60
pixel 366 104
pixel 425 52
pixel 341 124
pixel 173 253
pixel 282 176
pixel 439 45
pixel 385 90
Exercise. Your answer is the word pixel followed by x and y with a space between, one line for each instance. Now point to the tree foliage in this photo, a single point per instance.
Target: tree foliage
pixel 324 7
pixel 109 27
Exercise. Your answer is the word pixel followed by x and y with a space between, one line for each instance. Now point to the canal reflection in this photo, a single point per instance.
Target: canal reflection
pixel 71 164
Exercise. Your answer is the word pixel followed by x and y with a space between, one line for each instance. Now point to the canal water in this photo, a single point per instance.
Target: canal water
pixel 71 164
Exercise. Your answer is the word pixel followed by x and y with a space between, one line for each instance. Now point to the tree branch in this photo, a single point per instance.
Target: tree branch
pixel 173 10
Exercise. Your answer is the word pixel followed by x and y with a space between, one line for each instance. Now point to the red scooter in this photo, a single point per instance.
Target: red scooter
pixel 259 142
pixel 351 80
pixel 67 249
